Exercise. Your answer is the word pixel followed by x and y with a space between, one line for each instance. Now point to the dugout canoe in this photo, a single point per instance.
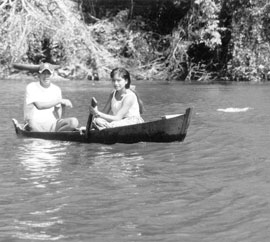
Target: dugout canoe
pixel 30 67
pixel 169 128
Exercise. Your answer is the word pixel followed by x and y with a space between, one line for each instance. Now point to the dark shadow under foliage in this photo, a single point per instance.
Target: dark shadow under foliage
pixel 162 16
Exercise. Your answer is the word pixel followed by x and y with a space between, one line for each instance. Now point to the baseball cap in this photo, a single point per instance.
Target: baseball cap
pixel 45 66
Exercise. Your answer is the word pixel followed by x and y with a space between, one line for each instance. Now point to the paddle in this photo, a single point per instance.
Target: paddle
pixel 90 118
pixel 63 107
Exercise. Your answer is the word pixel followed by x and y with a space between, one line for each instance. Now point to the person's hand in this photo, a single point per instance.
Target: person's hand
pixel 94 111
pixel 66 103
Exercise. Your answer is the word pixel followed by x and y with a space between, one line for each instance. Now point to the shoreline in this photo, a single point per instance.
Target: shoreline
pixel 56 77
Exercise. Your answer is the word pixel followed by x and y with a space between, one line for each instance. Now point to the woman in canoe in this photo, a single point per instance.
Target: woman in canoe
pixel 123 107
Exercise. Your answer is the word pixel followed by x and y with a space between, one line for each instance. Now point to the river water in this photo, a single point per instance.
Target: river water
pixel 214 186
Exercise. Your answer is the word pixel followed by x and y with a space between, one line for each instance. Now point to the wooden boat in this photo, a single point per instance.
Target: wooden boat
pixel 30 67
pixel 169 128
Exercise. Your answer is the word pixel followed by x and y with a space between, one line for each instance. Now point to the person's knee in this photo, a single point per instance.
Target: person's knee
pixel 74 123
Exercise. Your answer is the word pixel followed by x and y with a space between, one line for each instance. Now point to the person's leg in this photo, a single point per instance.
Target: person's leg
pixel 126 121
pixel 66 124
pixel 100 123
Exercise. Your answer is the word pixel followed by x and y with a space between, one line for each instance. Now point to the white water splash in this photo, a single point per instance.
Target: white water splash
pixel 233 110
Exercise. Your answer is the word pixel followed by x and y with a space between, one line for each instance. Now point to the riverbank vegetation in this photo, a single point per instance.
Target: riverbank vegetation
pixel 185 40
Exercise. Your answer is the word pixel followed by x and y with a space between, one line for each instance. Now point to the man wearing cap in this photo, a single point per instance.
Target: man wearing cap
pixel 43 104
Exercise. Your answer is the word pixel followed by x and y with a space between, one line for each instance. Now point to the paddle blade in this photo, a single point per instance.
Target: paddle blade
pixel 90 118
pixel 93 102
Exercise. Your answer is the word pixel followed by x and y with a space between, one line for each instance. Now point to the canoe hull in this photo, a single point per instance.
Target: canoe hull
pixel 30 67
pixel 162 130
pixel 26 67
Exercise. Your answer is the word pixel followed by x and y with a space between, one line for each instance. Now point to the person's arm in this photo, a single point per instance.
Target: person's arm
pixel 127 103
pixel 58 111
pixel 45 105
pixel 107 107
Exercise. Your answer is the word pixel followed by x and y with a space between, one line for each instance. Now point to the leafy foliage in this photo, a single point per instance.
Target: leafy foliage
pixel 250 51
pixel 214 39
pixel 35 31
pixel 195 41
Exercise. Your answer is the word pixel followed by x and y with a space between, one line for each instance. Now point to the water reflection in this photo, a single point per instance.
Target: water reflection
pixel 41 181
pixel 119 165
pixel 41 159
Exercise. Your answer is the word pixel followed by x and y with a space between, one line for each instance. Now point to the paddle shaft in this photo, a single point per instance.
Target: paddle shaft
pixel 90 118
pixel 63 111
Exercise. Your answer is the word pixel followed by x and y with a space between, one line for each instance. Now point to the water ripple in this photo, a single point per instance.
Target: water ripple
pixel 211 187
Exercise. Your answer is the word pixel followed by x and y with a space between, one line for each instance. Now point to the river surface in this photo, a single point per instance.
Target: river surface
pixel 213 187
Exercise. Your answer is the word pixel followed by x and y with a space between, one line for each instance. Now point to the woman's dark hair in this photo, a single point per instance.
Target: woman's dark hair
pixel 122 72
